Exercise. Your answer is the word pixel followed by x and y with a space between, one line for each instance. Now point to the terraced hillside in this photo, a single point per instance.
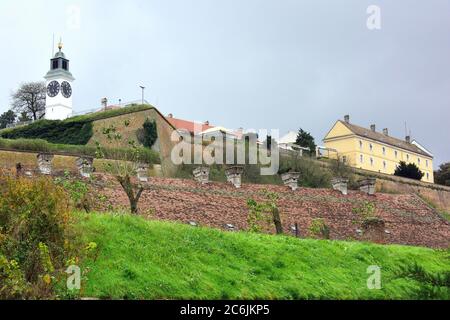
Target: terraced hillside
pixel 405 218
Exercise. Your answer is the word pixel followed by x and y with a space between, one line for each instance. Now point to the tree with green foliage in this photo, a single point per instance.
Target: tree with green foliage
pixel 306 140
pixel 149 133
pixel 409 170
pixel 442 176
pixel 7 118
pixel 30 98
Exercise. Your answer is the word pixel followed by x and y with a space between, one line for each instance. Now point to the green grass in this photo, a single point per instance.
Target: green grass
pixel 140 259
pixel 38 145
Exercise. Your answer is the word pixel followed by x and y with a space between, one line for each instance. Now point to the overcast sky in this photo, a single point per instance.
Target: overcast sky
pixel 280 64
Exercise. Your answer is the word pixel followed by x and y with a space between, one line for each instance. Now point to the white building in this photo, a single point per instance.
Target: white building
pixel 58 104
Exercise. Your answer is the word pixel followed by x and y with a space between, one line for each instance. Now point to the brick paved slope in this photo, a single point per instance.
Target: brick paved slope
pixel 408 220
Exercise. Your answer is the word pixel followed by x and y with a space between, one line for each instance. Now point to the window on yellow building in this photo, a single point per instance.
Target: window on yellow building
pixel 396 154
pixel 426 163
pixel 418 161
pixel 371 162
pixel 428 176
pixel 384 165
pixel 371 147
pixel 407 157
pixel 361 158
pixel 384 151
pixel 360 144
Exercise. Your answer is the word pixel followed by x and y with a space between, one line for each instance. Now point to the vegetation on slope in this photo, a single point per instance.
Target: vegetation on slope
pixel 37 145
pixel 76 130
pixel 158 260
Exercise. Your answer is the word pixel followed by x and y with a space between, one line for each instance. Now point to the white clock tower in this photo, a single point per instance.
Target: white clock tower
pixel 58 104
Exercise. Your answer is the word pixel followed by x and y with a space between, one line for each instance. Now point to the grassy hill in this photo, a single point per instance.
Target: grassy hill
pixel 158 260
pixel 73 131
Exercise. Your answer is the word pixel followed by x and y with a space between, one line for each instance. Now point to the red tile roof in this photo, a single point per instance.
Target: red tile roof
pixel 187 125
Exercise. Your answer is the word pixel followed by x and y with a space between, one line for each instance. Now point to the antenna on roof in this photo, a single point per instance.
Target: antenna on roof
pixel 53 46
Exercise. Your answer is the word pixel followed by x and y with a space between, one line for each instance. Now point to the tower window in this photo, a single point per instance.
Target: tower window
pixel 55 64
pixel 65 65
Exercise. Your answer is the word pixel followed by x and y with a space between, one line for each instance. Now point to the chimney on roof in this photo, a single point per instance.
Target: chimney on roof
pixel 104 102
pixel 408 139
pixel 373 127
pixel 347 118
pixel 170 116
pixel 386 131
pixel 206 123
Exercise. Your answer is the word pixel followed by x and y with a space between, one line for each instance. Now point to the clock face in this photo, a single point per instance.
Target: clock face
pixel 66 89
pixel 53 89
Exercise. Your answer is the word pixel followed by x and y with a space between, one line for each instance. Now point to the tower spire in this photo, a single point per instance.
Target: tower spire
pixel 60 44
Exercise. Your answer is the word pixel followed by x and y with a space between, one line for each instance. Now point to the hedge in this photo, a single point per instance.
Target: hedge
pixel 73 131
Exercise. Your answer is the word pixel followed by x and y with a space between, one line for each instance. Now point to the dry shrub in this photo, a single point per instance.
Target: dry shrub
pixel 34 226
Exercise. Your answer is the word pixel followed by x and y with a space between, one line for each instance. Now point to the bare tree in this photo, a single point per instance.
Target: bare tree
pixel 30 99
pixel 122 170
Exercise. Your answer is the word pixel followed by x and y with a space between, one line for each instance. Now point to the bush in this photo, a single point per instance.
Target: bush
pixel 409 170
pixel 319 229
pixel 148 134
pixel 312 175
pixel 34 222
pixel 53 131
pixel 75 131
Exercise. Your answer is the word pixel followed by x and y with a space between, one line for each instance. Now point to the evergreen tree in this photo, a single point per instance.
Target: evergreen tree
pixel 7 118
pixel 410 171
pixel 442 176
pixel 306 140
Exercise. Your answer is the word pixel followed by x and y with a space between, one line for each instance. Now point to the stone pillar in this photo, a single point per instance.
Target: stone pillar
pixel 142 172
pixel 234 175
pixel 45 163
pixel 85 166
pixel 201 174
pixel 341 185
pixel 290 179
pixel 368 186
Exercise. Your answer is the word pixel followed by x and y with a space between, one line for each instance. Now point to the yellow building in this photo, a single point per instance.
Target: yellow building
pixel 375 151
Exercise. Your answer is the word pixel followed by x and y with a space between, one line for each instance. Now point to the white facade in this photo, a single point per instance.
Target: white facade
pixel 59 107
pixel 58 104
